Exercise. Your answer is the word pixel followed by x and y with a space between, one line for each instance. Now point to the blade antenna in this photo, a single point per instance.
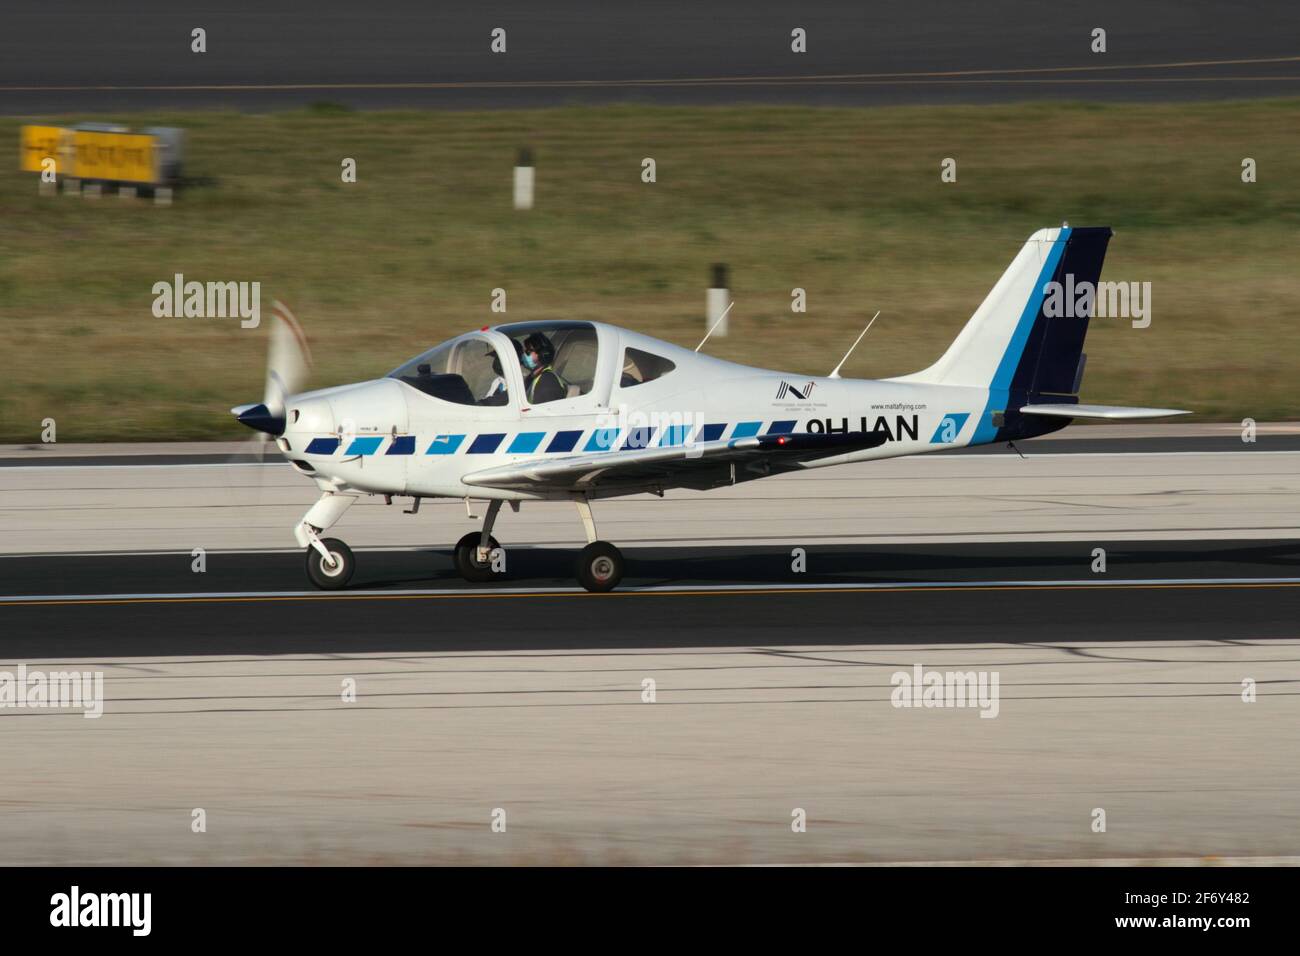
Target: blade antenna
pixel 715 325
pixel 836 373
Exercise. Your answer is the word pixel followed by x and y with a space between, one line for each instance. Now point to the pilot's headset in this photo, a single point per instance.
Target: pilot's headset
pixel 541 344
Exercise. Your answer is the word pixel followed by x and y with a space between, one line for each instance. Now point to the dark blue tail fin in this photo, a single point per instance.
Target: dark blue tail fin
pixel 1052 361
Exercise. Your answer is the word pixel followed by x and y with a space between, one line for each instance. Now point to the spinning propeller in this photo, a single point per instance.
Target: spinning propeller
pixel 288 363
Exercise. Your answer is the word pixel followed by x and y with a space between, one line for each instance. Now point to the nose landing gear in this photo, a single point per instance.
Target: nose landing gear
pixel 329 561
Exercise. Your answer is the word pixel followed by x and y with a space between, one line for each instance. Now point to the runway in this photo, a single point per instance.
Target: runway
pixel 89 606
pixel 989 596
pixel 85 57
pixel 773 689
pixel 735 742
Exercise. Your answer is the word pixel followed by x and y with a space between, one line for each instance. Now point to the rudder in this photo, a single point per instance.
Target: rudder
pixel 1010 344
pixel 1052 361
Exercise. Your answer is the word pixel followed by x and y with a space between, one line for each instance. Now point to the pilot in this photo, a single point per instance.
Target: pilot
pixel 541 382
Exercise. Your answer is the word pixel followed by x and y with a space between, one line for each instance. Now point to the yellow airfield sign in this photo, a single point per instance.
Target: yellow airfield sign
pixel 118 157
pixel 38 143
pixel 89 154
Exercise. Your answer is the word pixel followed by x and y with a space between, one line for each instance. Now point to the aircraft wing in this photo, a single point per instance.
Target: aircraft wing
pixel 701 465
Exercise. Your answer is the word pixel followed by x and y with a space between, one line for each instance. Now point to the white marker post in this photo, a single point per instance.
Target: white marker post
pixel 524 180
pixel 716 302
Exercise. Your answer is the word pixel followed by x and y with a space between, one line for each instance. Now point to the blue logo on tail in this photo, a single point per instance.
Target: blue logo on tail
pixel 950 427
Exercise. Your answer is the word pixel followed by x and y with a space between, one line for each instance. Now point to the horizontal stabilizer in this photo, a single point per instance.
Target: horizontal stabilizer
pixel 1112 412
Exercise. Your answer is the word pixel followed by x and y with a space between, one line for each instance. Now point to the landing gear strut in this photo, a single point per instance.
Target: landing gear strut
pixel 600 564
pixel 329 561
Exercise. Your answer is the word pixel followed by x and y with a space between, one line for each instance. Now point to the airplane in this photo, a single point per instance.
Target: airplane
pixel 580 411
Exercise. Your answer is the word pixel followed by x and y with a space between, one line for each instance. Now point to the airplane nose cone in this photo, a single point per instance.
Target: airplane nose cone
pixel 259 418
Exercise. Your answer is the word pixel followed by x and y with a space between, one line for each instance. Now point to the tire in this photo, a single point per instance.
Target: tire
pixel 325 578
pixel 467 563
pixel 600 566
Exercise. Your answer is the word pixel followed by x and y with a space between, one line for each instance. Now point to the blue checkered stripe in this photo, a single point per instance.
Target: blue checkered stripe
pixel 548 443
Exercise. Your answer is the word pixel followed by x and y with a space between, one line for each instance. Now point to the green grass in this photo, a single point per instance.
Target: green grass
pixel 846 203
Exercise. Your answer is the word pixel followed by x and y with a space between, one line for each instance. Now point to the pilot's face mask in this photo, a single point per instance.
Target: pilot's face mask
pixel 530 360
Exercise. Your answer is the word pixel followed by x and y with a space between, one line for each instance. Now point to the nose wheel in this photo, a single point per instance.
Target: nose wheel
pixel 333 574
pixel 600 566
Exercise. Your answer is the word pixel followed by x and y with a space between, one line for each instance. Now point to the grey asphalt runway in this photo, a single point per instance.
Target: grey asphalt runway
pixel 411 601
pixel 404 569
pixel 91 57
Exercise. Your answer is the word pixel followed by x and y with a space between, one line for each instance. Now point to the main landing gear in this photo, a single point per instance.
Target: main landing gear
pixel 600 565
pixel 478 556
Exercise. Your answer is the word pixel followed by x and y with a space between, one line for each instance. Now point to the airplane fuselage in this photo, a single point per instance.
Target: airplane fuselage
pixel 387 437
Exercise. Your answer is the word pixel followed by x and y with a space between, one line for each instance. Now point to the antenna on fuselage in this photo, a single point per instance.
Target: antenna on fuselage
pixel 721 318
pixel 836 373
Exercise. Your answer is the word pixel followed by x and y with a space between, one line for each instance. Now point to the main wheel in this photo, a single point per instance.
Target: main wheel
pixel 468 566
pixel 323 575
pixel 600 566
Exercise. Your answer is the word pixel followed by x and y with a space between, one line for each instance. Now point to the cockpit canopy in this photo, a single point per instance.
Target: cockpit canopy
pixel 467 371
pixel 470 369
pixel 568 350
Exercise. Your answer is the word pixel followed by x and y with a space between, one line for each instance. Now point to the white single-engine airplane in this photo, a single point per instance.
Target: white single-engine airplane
pixel 567 410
